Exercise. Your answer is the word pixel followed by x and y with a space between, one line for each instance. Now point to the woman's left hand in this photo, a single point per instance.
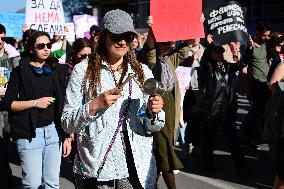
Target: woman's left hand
pixel 155 104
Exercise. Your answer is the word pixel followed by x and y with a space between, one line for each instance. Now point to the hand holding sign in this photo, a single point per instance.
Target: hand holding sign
pixel 150 21
pixel 66 29
pixel 25 27
pixel 251 43
pixel 209 39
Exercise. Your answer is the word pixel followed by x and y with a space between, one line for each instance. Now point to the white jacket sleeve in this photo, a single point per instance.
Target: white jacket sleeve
pixel 75 114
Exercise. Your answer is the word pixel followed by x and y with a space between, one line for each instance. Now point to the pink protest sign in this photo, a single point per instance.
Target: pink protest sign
pixel 176 20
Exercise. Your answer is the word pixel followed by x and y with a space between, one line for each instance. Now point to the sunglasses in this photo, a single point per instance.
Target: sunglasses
pixel 95 33
pixel 127 37
pixel 41 46
pixel 84 56
pixel 3 38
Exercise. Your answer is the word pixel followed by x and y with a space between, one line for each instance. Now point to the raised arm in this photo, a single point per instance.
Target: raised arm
pixel 150 41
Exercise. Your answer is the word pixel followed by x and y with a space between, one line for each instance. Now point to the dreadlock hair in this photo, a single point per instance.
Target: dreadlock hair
pixel 93 72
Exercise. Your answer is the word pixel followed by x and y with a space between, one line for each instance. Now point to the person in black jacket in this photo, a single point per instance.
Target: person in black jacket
pixel 34 100
pixel 216 106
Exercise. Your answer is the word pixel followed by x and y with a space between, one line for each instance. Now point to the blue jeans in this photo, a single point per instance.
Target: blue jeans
pixel 41 158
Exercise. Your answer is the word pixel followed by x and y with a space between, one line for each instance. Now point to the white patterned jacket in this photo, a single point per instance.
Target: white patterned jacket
pixel 94 133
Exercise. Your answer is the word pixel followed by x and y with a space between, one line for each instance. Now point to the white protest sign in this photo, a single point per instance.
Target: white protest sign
pixel 45 15
pixel 83 23
pixel 184 78
pixel 70 35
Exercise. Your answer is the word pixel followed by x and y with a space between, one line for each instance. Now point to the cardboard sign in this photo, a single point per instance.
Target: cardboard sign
pixel 227 23
pixel 87 35
pixel 83 23
pixel 176 20
pixel 70 35
pixel 184 78
pixel 45 15
pixel 4 78
pixel 13 23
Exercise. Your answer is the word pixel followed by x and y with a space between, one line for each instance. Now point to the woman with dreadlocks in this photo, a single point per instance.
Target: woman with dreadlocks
pixel 114 122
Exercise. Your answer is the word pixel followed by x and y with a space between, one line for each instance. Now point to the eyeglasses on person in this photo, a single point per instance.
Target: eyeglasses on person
pixel 95 33
pixel 127 37
pixel 3 38
pixel 41 46
pixel 84 56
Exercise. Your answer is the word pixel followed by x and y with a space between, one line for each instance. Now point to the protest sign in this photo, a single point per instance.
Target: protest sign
pixel 70 35
pixel 227 23
pixel 4 78
pixel 87 35
pixel 45 15
pixel 13 23
pixel 176 20
pixel 83 23
pixel 184 78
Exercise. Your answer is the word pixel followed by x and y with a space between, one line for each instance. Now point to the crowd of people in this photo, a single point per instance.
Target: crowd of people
pixel 87 99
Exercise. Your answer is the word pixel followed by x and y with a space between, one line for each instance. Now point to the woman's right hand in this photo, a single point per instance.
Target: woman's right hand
pixel 43 102
pixel 104 100
pixel 25 27
pixel 209 39
pixel 250 41
pixel 150 21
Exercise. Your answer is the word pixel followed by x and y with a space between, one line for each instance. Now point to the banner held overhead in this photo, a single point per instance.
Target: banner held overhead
pixel 13 23
pixel 227 22
pixel 176 20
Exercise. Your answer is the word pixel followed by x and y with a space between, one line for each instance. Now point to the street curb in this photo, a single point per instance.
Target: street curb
pixel 213 182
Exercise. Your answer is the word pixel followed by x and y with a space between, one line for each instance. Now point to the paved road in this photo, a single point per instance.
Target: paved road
pixel 259 175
